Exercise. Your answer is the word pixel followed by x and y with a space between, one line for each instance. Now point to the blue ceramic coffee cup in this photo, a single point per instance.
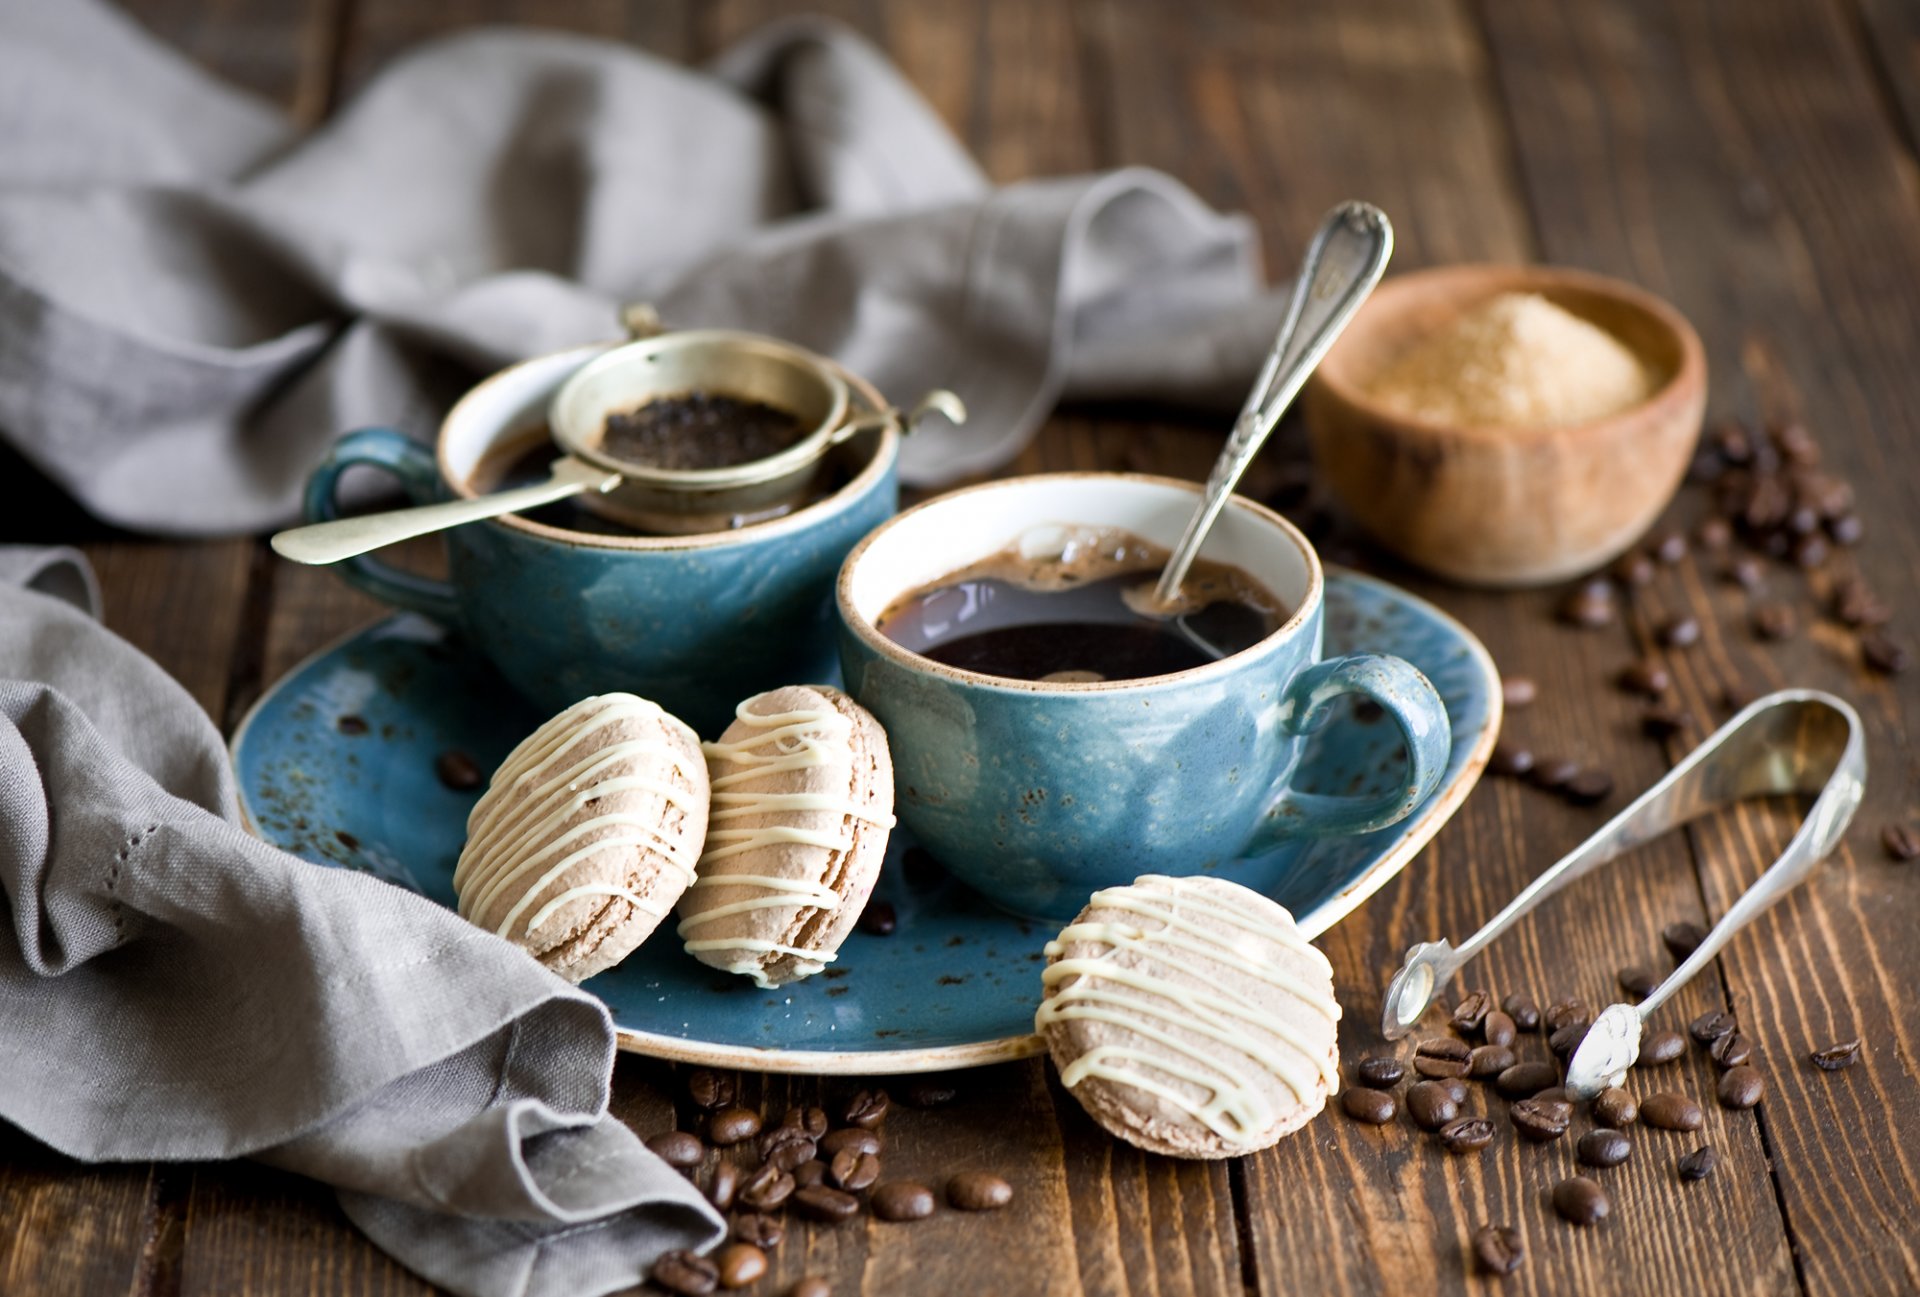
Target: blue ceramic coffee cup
pixel 695 623
pixel 1038 793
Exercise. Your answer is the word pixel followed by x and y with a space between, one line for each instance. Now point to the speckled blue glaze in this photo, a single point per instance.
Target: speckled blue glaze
pixel 957 981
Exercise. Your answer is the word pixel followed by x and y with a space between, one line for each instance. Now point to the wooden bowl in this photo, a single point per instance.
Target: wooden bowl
pixel 1512 506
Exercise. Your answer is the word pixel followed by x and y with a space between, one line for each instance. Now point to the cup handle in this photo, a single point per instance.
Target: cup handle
pixel 1405 695
pixel 420 478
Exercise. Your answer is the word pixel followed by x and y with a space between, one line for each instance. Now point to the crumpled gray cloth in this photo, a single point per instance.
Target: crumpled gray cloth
pixel 174 988
pixel 195 302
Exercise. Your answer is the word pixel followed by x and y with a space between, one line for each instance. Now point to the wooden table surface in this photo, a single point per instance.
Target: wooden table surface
pixel 1751 160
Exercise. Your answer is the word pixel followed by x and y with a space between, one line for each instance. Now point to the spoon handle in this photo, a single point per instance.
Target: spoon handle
pixel 328 542
pixel 1343 263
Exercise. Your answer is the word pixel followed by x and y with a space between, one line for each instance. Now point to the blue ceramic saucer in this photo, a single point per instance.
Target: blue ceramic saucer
pixel 337 764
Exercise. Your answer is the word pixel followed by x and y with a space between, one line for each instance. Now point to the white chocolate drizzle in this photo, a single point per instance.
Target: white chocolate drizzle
pixel 1172 995
pixel 508 840
pixel 783 742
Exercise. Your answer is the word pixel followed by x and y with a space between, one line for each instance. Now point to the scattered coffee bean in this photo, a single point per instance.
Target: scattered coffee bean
pixel 1670 547
pixel 783 1136
pixel 1680 632
pixel 878 919
pixel 1525 1015
pixel 791 1153
pixel 1661 1047
pixel 1638 981
pixel 1553 773
pixel 820 1202
pixel 457 770
pixel 1835 1057
pixel 854 1137
pixel 724 1183
pixel 1431 1105
pixel 1488 1061
pixel 677 1148
pixel 1741 1087
pixel 1580 1201
pixel 1662 722
pixel 1379 1072
pixel 1509 760
pixel 1847 529
pixel 1697 1165
pixel 1709 1027
pixel 1540 1120
pixel 1590 607
pixel 1438 1056
pixel 1714 533
pixel 854 1171
pixel 731 1125
pixel 765 1188
pixel 1518 691
pixel 1747 572
pixel 1455 1086
pixel 1731 1050
pixel 1564 1041
pixel 1603 1147
pixel 760 1230
pixel 710 1089
pixel 1669 1111
pixel 686 1273
pixel 1471 1012
pixel 1682 939
pixel 1590 787
pixel 1774 621
pixel 739 1264
pixel 867 1109
pixel 902 1200
pixel 1811 552
pixel 1466 1134
pixel 810 1172
pixel 811 1286
pixel 1525 1080
pixel 809 1119
pixel 1645 677
pixel 1615 1107
pixel 1901 842
pixel 1856 605
pixel 1499 1028
pixel 1570 1010
pixel 978 1191
pixel 1374 1107
pixel 1633 569
pixel 1498 1249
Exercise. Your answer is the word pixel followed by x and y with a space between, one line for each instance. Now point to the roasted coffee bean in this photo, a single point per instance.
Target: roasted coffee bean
pixel 1709 1027
pixel 760 1230
pixel 836 1142
pixel 1553 773
pixel 740 1264
pixel 810 1172
pixel 1901 842
pixel 1661 1047
pixel 1603 1147
pixel 1796 444
pixel 1466 1134
pixel 1856 605
pixel 1714 533
pixel 1615 1107
pixel 1680 632
pixel 1747 572
pixel 1438 1056
pixel 1669 1111
pixel 1564 1041
pixel 686 1273
pixel 1524 1080
pixel 1847 529
pixel 765 1188
pixel 1489 1061
pixel 812 1286
pixel 790 1153
pixel 1471 1012
pixel 783 1136
pixel 1699 1164
pixel 1645 677
pixel 1633 569
pixel 1374 1107
pixel 1590 607
pixel 1774 621
pixel 1741 1087
pixel 1580 1201
pixel 1835 1057
pixel 1518 691
pixel 811 1120
pixel 1707 465
pixel 1523 1011
pixel 1540 1120
pixel 878 919
pixel 978 1191
pixel 1638 981
pixel 1499 1028
pixel 1431 1105
pixel 1810 552
pixel 902 1200
pixel 1510 760
pixel 853 1170
pixel 1731 1050
pixel 1670 546
pixel 457 770
pixel 819 1202
pixel 710 1089
pixel 1588 788
pixel 731 1125
pixel 724 1183
pixel 1379 1072
pixel 1682 939
pixel 1498 1249
pixel 1572 1009
pixel 1662 722
pixel 867 1109
pixel 677 1148
pixel 1733 442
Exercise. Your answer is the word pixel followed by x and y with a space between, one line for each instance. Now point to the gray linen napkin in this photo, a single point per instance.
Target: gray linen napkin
pixel 195 302
pixel 173 988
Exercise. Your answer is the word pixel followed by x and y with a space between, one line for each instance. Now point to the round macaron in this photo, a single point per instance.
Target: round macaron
pixel 802 804
pixel 1190 1017
pixel 587 834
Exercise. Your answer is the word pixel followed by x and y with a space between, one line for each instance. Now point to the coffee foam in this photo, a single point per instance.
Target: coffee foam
pixel 1061 556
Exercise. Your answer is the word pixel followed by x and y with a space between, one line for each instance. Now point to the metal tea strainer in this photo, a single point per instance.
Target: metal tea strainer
pixel 1795 741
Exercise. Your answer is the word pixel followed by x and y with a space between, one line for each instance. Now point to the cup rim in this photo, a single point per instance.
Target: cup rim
pixel 885 454
pixel 863 628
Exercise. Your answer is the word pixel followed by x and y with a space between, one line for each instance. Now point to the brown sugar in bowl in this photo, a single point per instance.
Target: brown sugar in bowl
pixel 1506 506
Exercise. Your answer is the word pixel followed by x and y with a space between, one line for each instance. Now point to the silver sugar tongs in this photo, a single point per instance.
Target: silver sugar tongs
pixel 1794 741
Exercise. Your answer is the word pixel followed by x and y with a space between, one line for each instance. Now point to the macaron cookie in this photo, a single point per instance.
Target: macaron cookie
pixel 587 834
pixel 1190 1017
pixel 802 806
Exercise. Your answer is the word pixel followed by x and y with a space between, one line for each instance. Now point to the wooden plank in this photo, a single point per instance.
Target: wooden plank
pixel 71 1228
